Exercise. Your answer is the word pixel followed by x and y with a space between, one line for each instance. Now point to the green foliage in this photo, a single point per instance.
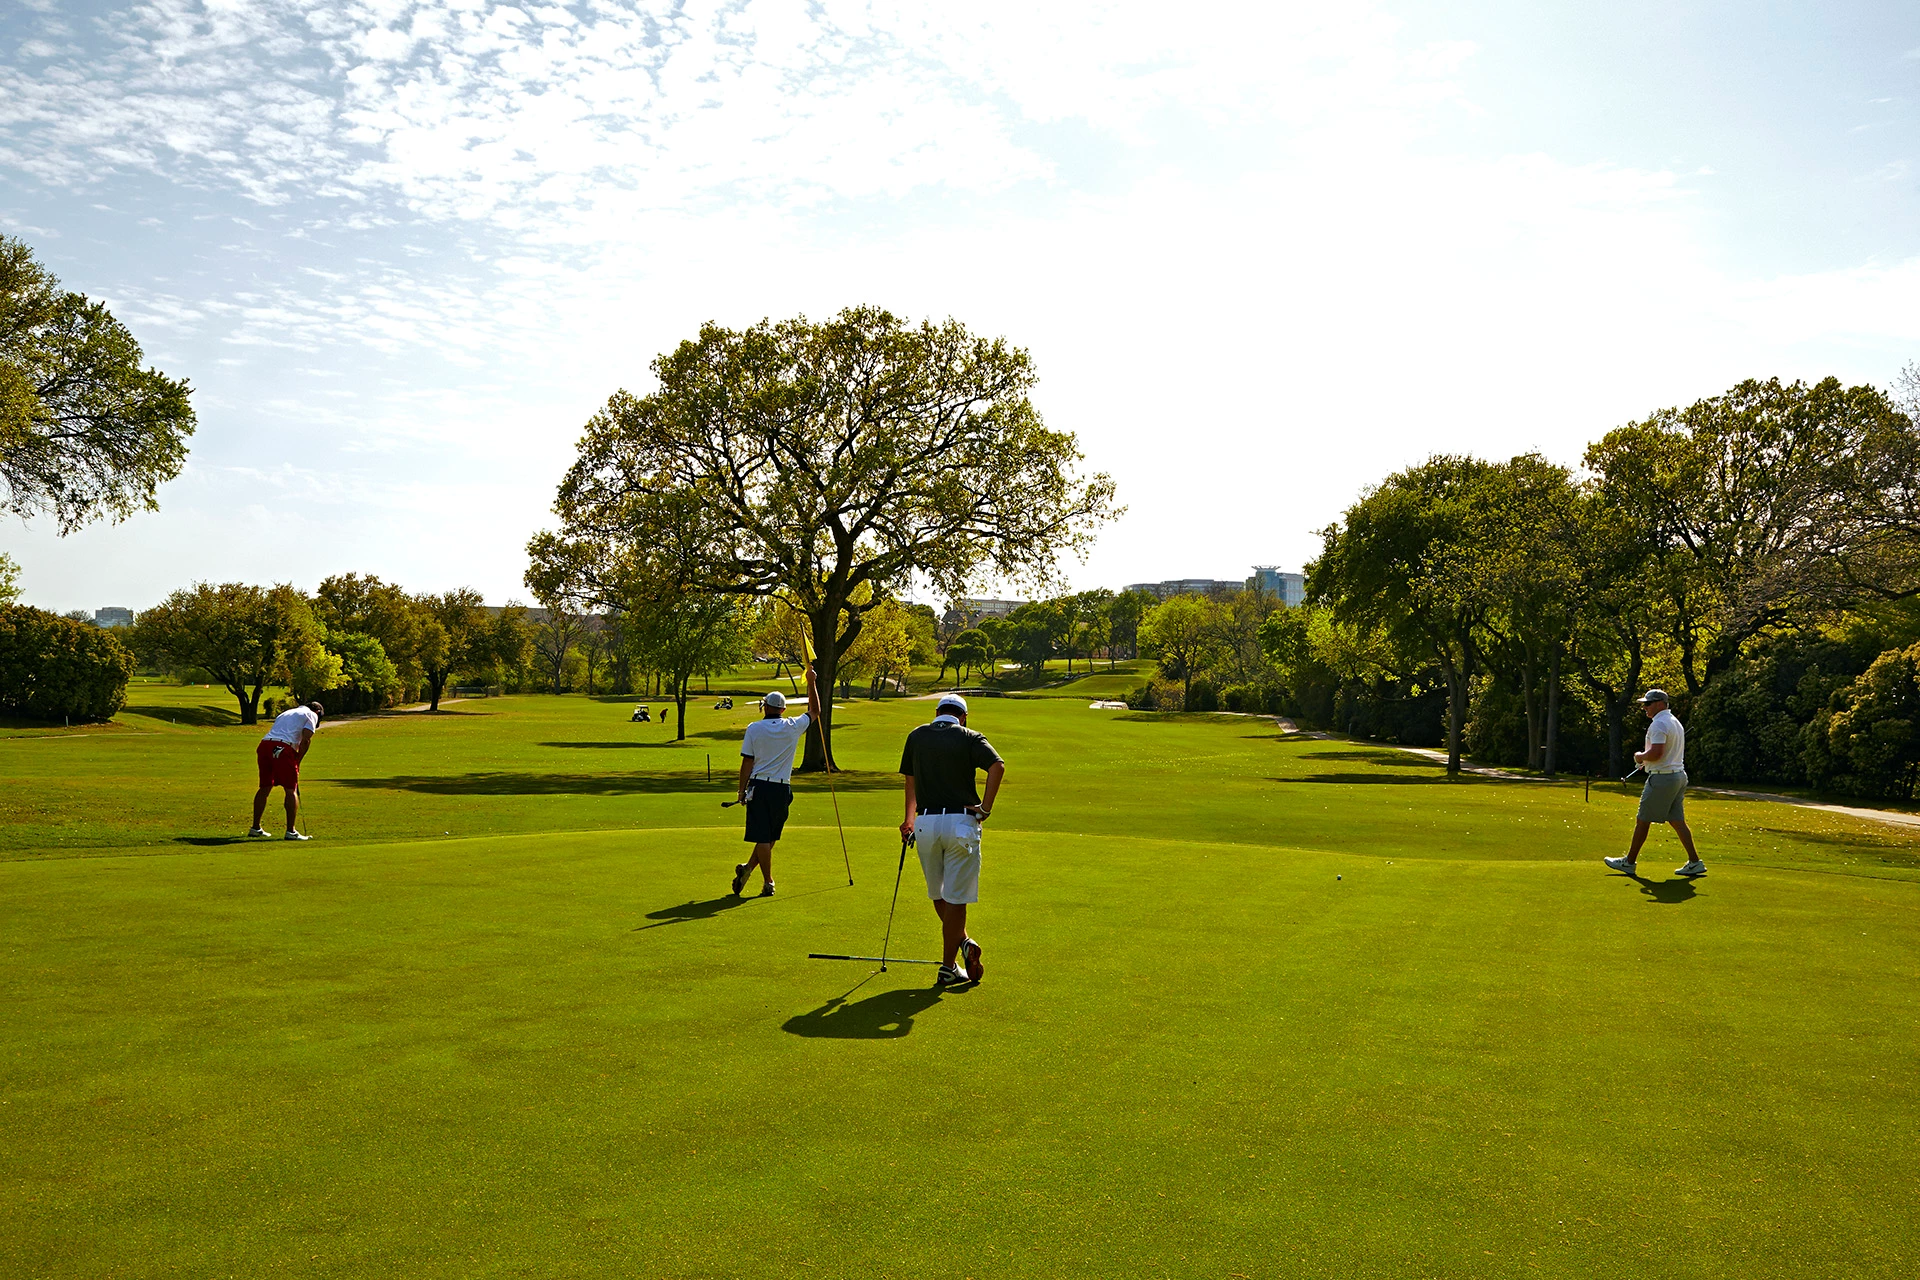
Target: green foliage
pixel 1868 742
pixel 407 631
pixel 971 650
pixel 826 463
pixel 1749 724
pixel 682 634
pixel 52 668
pixel 1768 506
pixel 368 679
pixel 9 579
pixel 246 637
pixel 1188 634
pixel 454 636
pixel 85 431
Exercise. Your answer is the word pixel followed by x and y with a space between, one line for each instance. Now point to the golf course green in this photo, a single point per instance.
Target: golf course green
pixel 1255 1005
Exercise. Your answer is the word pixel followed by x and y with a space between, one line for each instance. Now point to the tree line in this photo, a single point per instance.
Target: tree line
pixel 1757 553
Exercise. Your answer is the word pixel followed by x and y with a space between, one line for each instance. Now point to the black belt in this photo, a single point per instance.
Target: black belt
pixel 923 812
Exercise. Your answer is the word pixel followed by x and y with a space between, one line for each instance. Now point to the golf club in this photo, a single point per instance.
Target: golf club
pixel 887 941
pixel 821 955
pixel 728 804
pixel 1630 776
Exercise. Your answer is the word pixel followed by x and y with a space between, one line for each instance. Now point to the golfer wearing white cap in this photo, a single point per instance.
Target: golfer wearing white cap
pixel 1664 798
pixel 766 772
pixel 944 814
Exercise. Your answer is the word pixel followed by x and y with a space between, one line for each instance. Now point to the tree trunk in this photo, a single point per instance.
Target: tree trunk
pixel 680 702
pixel 249 706
pixel 827 647
pixel 435 683
pixel 1456 705
pixel 1553 711
pixel 1615 708
pixel 1531 709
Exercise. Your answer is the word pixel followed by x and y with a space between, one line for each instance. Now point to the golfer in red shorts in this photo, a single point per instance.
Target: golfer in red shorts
pixel 280 754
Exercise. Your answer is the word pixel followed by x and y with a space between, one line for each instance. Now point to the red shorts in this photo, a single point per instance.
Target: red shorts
pixel 279 764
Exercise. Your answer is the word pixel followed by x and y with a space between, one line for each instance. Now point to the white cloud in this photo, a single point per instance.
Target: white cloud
pixel 1239 243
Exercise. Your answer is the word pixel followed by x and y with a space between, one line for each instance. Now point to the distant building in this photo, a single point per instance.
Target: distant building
pixel 1290 587
pixel 113 617
pixel 962 614
pixel 1213 587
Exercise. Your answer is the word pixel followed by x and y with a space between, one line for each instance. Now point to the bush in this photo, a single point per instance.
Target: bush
pixel 1156 695
pixel 54 668
pixel 1254 699
pixel 1866 742
pixel 1201 697
pixel 1747 724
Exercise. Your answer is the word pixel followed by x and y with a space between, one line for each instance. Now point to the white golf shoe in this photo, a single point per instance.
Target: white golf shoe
pixel 1694 868
pixel 295 835
pixel 259 833
pixel 1623 865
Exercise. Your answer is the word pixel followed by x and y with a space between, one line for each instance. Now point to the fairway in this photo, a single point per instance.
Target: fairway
pixel 1256 1005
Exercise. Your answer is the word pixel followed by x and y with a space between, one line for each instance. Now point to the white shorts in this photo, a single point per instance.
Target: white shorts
pixel 949 845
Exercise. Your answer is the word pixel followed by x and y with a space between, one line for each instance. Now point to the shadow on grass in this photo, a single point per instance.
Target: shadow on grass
pixel 887 1016
pixel 1881 842
pixel 1668 891
pixel 1393 759
pixel 216 842
pixel 690 911
pixel 1390 779
pixel 725 735
pixel 201 717
pixel 585 784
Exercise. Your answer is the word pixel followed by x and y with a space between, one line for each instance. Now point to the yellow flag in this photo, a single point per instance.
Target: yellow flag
pixel 806 638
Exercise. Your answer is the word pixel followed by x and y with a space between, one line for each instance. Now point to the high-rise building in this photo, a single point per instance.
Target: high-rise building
pixel 1214 587
pixel 1290 587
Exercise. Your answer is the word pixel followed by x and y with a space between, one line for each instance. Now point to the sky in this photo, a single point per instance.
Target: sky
pixel 1262 256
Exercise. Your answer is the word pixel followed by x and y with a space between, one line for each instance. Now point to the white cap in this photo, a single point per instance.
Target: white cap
pixel 953 700
pixel 775 701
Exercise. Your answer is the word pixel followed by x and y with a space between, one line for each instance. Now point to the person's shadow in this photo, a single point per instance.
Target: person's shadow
pixel 1680 890
pixel 886 1016
pixel 689 911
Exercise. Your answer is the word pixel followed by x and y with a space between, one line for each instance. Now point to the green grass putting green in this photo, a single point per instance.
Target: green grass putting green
pixel 1255 1007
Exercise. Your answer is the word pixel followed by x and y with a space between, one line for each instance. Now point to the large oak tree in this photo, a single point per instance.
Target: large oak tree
pixel 85 430
pixel 826 463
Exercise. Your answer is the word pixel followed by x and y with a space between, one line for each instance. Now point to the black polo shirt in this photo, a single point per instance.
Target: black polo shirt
pixel 941 758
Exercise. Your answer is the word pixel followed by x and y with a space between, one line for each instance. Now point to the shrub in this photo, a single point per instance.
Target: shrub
pixel 1201 696
pixel 1866 742
pixel 53 668
pixel 1156 695
pixel 1747 723
pixel 1254 699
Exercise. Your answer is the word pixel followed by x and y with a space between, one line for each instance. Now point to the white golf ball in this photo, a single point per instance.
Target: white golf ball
pixel 1337 877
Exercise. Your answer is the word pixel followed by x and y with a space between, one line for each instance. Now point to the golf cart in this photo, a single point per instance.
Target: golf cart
pixel 642 714
pixel 725 704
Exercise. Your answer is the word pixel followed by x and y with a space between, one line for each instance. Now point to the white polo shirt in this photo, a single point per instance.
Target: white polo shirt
pixel 771 743
pixel 1664 727
pixel 288 725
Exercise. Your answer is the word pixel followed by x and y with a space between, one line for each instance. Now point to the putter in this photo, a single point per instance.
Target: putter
pixel 1630 777
pixel 887 941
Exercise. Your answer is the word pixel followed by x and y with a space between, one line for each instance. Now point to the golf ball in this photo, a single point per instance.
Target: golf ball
pixel 1337 877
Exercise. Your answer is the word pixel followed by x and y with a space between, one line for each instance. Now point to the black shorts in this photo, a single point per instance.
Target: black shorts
pixel 767 811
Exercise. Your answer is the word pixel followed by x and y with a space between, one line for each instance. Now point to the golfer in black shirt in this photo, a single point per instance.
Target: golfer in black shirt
pixel 944 814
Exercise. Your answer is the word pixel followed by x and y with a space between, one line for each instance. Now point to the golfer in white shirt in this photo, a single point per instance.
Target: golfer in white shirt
pixel 1664 798
pixel 766 773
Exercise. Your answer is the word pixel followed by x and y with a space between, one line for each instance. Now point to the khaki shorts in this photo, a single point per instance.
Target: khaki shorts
pixel 1664 798
pixel 949 846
